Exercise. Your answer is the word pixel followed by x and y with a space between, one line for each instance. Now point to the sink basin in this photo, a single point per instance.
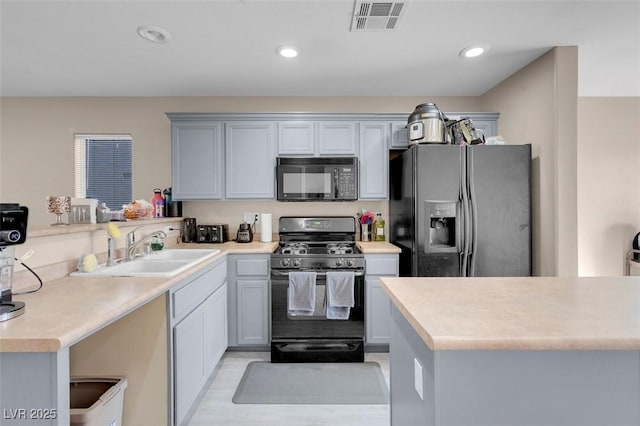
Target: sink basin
pixel 165 263
pixel 184 254
pixel 161 268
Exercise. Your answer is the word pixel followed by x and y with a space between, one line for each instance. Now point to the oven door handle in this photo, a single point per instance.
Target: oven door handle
pixel 278 273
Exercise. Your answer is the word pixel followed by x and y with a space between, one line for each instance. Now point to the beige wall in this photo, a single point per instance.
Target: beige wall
pixel 36 140
pixel 537 105
pixel 608 176
pixel 36 156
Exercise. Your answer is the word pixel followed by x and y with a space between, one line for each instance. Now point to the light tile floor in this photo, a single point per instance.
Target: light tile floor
pixel 216 408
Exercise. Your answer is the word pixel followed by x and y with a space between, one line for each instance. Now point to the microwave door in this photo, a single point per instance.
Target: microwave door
pixel 305 183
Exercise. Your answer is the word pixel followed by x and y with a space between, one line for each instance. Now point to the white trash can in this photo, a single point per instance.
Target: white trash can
pixel 97 401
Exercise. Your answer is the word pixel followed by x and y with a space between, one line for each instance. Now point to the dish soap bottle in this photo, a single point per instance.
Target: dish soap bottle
pixel 378 228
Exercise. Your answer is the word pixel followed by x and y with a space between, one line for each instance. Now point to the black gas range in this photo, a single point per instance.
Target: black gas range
pixel 321 246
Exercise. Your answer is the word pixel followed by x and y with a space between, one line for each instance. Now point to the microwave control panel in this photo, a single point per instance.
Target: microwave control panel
pixel 347 179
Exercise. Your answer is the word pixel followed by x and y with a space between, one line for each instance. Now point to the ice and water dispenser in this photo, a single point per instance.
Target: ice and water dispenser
pixel 442 225
pixel 441 255
pixel 442 217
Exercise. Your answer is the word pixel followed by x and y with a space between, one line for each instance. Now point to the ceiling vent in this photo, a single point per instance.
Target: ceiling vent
pixel 369 15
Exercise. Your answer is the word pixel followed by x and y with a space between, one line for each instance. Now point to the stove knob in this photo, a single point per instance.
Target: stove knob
pixel 296 262
pixel 351 263
pixel 284 262
pixel 339 262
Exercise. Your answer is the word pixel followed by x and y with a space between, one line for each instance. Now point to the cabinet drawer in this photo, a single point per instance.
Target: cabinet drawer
pixel 381 264
pixel 194 293
pixel 252 267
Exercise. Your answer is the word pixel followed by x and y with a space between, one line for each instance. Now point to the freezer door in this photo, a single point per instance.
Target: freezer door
pixel 439 219
pixel 500 194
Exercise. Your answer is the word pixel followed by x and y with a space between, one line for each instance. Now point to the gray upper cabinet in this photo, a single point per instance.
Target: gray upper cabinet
pixel 232 155
pixel 250 159
pixel 399 135
pixel 374 160
pixel 196 161
pixel 337 138
pixel 296 138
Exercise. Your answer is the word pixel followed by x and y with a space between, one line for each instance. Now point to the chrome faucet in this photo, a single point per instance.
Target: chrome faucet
pixel 132 244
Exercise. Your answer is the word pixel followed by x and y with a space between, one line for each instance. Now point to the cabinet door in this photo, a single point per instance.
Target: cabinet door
pixel 337 138
pixel 296 138
pixel 196 161
pixel 253 312
pixel 250 159
pixel 374 160
pixel 378 312
pixel 215 328
pixel 399 135
pixel 188 340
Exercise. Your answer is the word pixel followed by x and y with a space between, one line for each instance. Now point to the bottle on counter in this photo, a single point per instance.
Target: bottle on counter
pixel 378 228
pixel 157 202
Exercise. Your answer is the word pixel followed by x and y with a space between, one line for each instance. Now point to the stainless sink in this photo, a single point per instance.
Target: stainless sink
pixel 165 263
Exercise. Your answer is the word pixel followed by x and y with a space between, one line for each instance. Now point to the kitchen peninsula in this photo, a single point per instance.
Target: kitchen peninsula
pixel 507 351
pixel 104 326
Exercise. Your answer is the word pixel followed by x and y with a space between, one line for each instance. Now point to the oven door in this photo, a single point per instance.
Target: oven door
pixel 315 338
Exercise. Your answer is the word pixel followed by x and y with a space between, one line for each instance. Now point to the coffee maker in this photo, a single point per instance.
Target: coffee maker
pixel 13 231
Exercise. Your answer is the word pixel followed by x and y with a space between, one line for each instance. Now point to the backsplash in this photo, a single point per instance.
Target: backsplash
pixel 231 212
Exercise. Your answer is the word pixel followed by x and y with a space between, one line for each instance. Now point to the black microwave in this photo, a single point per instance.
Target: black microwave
pixel 317 178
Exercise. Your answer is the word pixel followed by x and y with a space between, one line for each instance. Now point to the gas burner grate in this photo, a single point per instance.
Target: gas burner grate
pixel 340 248
pixel 295 248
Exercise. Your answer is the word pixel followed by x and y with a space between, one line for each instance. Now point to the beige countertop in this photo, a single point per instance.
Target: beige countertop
pixel 529 313
pixel 377 247
pixel 68 309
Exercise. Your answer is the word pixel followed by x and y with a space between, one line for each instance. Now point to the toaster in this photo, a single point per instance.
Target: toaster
pixel 212 233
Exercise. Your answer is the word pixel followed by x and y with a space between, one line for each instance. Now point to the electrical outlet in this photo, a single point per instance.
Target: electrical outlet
pixel 251 217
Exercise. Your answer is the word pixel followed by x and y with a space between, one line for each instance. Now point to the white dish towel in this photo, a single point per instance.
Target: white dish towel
pixel 302 293
pixel 340 297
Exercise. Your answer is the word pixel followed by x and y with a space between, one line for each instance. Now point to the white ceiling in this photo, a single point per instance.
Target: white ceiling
pixel 227 47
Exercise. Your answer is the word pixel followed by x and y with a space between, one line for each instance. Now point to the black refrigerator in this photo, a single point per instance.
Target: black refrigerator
pixel 462 210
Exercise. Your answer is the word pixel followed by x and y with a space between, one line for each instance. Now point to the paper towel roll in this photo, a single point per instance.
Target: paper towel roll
pixel 265 227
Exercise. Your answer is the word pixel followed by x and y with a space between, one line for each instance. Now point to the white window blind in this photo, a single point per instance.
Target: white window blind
pixel 103 168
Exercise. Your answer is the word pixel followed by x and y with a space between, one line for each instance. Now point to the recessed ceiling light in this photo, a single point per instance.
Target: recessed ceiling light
pixel 287 51
pixel 154 34
pixel 473 51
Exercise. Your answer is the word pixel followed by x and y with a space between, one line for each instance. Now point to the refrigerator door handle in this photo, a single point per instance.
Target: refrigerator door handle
pixel 473 219
pixel 464 255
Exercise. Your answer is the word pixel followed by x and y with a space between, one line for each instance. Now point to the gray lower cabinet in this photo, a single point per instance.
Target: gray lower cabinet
pixel 198 320
pixel 377 303
pixel 248 300
pixel 250 159
pixel 196 161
